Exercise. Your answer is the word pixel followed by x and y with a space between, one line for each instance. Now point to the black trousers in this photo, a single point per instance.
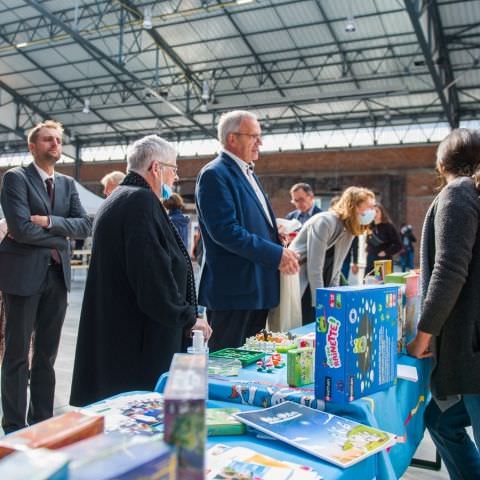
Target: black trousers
pixel 308 312
pixel 232 327
pixel 44 313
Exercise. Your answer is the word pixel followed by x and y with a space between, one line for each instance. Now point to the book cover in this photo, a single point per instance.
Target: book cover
pixel 38 464
pixel 135 413
pixel 224 462
pixel 220 421
pixel 53 433
pixel 121 456
pixel 334 439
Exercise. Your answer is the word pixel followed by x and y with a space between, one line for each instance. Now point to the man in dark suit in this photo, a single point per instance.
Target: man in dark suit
pixel 243 255
pixel 303 198
pixel 43 212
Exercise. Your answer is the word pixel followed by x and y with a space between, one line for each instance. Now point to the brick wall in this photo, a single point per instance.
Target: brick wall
pixel 402 176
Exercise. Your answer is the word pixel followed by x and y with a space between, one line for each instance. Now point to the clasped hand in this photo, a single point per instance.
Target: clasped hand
pixel 289 262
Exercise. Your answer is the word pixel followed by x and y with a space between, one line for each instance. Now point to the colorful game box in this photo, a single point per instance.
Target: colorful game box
pixel 300 363
pixel 356 352
pixel 121 456
pixel 409 283
pixel 184 414
pixel 245 356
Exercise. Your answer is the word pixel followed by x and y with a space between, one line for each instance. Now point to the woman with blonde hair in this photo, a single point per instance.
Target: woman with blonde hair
pixel 324 241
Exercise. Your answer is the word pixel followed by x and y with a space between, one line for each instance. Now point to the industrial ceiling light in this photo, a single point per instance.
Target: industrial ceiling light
pixel 205 91
pixel 147 18
pixel 350 26
pixel 243 2
pixel 387 115
pixel 22 45
pixel 86 106
pixel 204 107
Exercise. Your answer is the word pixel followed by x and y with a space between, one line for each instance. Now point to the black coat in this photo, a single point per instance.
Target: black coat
pixel 137 304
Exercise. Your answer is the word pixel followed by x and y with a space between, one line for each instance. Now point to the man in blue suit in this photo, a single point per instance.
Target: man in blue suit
pixel 243 254
pixel 304 200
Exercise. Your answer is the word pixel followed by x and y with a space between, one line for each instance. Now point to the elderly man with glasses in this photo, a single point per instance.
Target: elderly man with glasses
pixel 243 254
pixel 140 303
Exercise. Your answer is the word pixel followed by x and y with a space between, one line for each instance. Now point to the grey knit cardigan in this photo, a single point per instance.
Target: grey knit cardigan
pixel 450 279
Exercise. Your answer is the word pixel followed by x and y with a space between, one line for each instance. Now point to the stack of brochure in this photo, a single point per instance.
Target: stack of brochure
pixel 137 413
pixel 242 463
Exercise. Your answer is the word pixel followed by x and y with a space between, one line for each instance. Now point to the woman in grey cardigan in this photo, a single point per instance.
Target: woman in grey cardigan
pixel 324 241
pixel 449 326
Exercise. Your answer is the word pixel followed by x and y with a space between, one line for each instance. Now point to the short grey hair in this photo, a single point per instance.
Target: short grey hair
pixel 115 177
pixel 142 152
pixel 230 122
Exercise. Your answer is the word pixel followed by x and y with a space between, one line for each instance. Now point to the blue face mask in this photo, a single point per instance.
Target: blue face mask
pixel 166 191
pixel 367 217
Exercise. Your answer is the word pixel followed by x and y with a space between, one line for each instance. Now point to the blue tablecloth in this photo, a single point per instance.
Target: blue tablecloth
pixel 398 410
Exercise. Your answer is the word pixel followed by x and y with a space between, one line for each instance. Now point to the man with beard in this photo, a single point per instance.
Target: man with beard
pixel 43 212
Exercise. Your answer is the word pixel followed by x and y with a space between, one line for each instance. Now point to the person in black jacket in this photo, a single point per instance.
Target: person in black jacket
pixel 449 325
pixel 383 242
pixel 139 303
pixel 174 205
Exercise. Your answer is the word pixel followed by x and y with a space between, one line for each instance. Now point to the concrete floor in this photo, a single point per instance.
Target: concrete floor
pixel 64 368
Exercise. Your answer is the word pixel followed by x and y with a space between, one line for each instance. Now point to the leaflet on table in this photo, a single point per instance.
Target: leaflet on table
pixel 331 438
pixel 138 413
pixel 238 462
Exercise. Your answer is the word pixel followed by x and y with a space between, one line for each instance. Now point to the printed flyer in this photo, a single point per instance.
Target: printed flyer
pixel 239 463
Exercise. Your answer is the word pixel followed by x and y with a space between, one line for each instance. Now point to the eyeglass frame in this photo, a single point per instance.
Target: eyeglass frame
pixel 257 137
pixel 173 167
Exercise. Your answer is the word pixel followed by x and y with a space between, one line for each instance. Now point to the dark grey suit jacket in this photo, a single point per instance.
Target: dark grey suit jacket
pixel 24 258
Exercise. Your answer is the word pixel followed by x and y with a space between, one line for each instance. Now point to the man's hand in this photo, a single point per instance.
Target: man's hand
pixel 354 268
pixel 382 254
pixel 202 324
pixel 418 347
pixel 289 262
pixel 40 220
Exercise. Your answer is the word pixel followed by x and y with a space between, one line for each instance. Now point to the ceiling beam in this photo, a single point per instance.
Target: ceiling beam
pixel 425 19
pixel 98 54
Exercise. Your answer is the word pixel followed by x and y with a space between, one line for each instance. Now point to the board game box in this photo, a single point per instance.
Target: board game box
pixel 356 352
pixel 409 313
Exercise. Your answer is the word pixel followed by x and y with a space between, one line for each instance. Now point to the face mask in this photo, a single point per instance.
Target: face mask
pixel 166 191
pixel 366 217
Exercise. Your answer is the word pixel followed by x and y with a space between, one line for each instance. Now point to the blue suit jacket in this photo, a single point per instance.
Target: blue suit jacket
pixel 295 214
pixel 242 250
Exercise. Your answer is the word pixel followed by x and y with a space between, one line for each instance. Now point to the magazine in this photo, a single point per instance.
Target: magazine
pixel 334 439
pixel 137 413
pixel 239 463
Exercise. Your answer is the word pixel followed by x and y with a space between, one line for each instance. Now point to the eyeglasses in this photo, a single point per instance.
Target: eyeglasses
pixel 254 136
pixel 173 167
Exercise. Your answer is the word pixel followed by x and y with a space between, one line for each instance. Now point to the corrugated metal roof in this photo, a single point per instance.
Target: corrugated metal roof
pixel 289 58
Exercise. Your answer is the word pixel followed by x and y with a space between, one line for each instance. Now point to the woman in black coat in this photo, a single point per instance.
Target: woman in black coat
pixel 449 326
pixel 139 303
pixel 383 242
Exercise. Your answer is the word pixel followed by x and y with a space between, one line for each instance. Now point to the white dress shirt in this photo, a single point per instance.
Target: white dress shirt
pixel 248 172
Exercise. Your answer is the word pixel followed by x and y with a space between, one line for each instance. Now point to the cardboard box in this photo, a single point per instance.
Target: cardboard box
pixel 356 352
pixel 118 456
pixel 184 417
pixel 300 363
pixel 382 268
pixel 56 432
pixel 409 282
pixel 38 464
